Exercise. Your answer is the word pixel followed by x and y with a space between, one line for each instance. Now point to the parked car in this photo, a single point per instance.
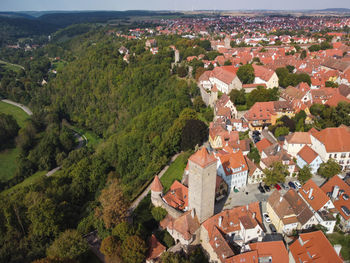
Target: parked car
pixel 261 189
pixel 272 228
pixel 284 186
pixel 267 188
pixel 267 218
pixel 256 133
pixel 297 184
pixel 278 187
pixel 292 185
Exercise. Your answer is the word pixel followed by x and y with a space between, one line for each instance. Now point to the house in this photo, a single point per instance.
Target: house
pixel 319 203
pixel 263 144
pixel 228 228
pixel 123 50
pixel 184 229
pixel 263 114
pixel 232 167
pixel 238 125
pixel 219 137
pixel 307 156
pixel 225 103
pixel 273 251
pixel 151 43
pixel 255 173
pixel 339 193
pixel 177 196
pixel 155 250
pixel 314 247
pixel 294 142
pixel 223 78
pixel 289 212
pixel 333 143
pixel 265 76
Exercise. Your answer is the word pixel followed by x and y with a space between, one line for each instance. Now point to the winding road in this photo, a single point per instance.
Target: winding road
pixel 82 141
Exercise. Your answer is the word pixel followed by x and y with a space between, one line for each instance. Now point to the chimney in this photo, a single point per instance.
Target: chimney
pixel 337 248
pixel 335 192
pixel 253 216
pixel 220 221
pixel 310 192
pixel 193 213
pixel 281 198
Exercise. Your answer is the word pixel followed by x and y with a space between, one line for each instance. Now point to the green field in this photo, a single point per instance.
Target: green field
pixel 344 241
pixel 8 156
pixel 11 66
pixel 16 112
pixel 175 171
pixel 30 180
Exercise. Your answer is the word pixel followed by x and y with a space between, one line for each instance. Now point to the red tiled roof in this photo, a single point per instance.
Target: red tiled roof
pixel 335 99
pixel 299 138
pixel 340 201
pixel 247 257
pixel 177 196
pixel 307 154
pixel 263 144
pixel 318 198
pixel 313 247
pixel 156 185
pixel 260 111
pixel 262 72
pixel 274 249
pixel 203 158
pixel 155 248
pixel 335 139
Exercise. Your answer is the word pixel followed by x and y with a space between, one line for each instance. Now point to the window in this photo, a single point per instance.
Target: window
pixel 343 155
pixel 335 155
pixel 330 156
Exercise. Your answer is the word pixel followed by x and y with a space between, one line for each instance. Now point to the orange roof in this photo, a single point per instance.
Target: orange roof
pixel 299 138
pixel 177 196
pixel 156 185
pixel 340 201
pixel 313 247
pixel 186 225
pixel 263 144
pixel 262 72
pixel 260 111
pixel 155 248
pixel 335 99
pixel 225 73
pixel 232 160
pixel 335 139
pixel 203 158
pixel 274 249
pixel 307 154
pixel 248 257
pixel 220 245
pixel 318 198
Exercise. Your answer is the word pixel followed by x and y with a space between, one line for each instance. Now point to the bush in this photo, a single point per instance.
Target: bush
pixel 159 213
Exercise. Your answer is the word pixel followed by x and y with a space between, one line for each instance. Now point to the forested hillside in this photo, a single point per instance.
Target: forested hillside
pixel 138 109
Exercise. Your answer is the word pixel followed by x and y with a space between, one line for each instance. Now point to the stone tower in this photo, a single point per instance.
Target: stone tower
pixel 156 191
pixel 201 184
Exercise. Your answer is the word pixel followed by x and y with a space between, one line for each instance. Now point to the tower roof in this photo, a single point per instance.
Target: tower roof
pixel 156 185
pixel 202 157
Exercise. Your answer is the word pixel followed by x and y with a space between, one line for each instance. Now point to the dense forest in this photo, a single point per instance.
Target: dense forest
pixel 140 110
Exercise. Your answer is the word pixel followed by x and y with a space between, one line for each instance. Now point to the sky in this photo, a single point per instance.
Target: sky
pixel 44 5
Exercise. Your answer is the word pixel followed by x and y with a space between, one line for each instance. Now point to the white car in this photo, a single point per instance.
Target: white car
pixel 267 218
pixel 297 184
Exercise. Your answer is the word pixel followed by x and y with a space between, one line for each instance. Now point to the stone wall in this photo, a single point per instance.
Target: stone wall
pixel 158 201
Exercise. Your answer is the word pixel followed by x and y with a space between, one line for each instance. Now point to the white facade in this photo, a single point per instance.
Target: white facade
pixel 314 165
pixel 293 148
pixel 270 84
pixel 237 177
pixel 226 87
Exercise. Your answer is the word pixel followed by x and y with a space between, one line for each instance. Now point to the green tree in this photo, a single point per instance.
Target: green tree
pixel 8 129
pixel 198 103
pixel 281 131
pixel 123 230
pixel 304 174
pixel 134 250
pixel 303 54
pixel 159 213
pixel 110 246
pixel 69 245
pixel 194 132
pixel 227 63
pixel 254 154
pixel 238 97
pixel 246 74
pixel 329 168
pixel 277 173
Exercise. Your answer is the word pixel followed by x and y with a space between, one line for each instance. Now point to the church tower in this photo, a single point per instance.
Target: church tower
pixel 201 183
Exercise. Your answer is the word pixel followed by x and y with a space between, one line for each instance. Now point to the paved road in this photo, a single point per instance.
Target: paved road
pixel 145 192
pixel 16 65
pixel 24 108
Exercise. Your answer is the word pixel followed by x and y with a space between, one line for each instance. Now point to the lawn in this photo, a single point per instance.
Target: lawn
pixel 30 180
pixel 344 241
pixel 92 139
pixel 10 66
pixel 8 163
pixel 16 112
pixel 8 156
pixel 175 171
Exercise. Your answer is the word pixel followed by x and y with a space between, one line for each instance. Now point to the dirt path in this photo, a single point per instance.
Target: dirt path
pixel 24 108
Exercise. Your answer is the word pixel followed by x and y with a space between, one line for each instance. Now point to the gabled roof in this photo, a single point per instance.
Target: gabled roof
pixel 339 202
pixel 155 248
pixel 225 73
pixel 263 144
pixel 247 257
pixel 203 158
pixel 317 199
pixel 262 72
pixel 307 154
pixel 156 185
pixel 274 249
pixel 335 139
pixel 220 245
pixel 335 99
pixel 299 138
pixel 177 196
pixel 313 247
